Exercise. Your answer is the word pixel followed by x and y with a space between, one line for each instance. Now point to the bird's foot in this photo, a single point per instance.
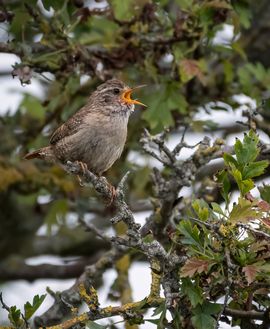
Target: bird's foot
pixel 113 194
pixel 84 168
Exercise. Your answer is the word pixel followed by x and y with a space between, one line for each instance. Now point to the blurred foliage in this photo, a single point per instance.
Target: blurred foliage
pixel 70 47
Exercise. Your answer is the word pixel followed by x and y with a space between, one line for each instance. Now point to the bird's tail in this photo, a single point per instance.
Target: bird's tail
pixel 45 153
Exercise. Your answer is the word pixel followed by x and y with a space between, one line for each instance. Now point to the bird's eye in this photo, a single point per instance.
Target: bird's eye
pixel 116 91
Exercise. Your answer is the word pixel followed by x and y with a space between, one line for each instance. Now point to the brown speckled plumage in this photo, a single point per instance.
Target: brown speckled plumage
pixel 96 134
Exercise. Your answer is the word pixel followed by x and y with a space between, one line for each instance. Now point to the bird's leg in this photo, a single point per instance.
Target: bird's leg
pixel 84 168
pixel 80 181
pixel 112 191
pixel 113 194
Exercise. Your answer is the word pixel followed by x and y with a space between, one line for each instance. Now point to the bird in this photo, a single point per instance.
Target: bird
pixel 95 135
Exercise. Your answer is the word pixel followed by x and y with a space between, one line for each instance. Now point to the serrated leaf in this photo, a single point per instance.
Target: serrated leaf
pixel 195 265
pixel 250 272
pixel 159 322
pixel 192 290
pixel 159 309
pixel 216 208
pixel 247 151
pixel 158 116
pixel 29 309
pixel 243 211
pixel 203 318
pixel 191 234
pixel 201 208
pixel 202 321
pixel 14 316
pixel 229 160
pixel 211 308
pixel 244 185
pixel 254 169
pixel 161 103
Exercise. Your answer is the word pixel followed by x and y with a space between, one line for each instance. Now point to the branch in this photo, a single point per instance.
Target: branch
pixel 244 314
pixel 109 312
pixel 182 173
pixel 71 297
pixel 257 233
pixel 21 271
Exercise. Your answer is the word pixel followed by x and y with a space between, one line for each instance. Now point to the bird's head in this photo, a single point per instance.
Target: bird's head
pixel 116 95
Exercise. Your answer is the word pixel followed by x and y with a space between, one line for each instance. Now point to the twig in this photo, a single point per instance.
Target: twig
pixel 92 228
pixel 4 305
pixel 230 268
pixel 254 231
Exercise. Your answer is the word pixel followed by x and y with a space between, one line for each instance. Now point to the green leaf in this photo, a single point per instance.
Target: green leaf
pixel 244 12
pixel 159 322
pixel 154 321
pixel 257 70
pixel 248 150
pixel 228 71
pixel 29 309
pixel 229 160
pixel 163 100
pixel 14 316
pixel 175 99
pixel 203 315
pixel 103 31
pixel 216 208
pixel 191 233
pixel 52 3
pixel 211 308
pixel 32 106
pixel 126 10
pixel 244 77
pixel 201 208
pixel 202 321
pixel 244 185
pixel 255 169
pixel 158 116
pixel 159 309
pixel 184 4
pixel 223 179
pixel 94 325
pixel 192 290
pixel 265 192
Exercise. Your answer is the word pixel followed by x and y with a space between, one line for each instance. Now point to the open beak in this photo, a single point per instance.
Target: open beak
pixel 126 96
